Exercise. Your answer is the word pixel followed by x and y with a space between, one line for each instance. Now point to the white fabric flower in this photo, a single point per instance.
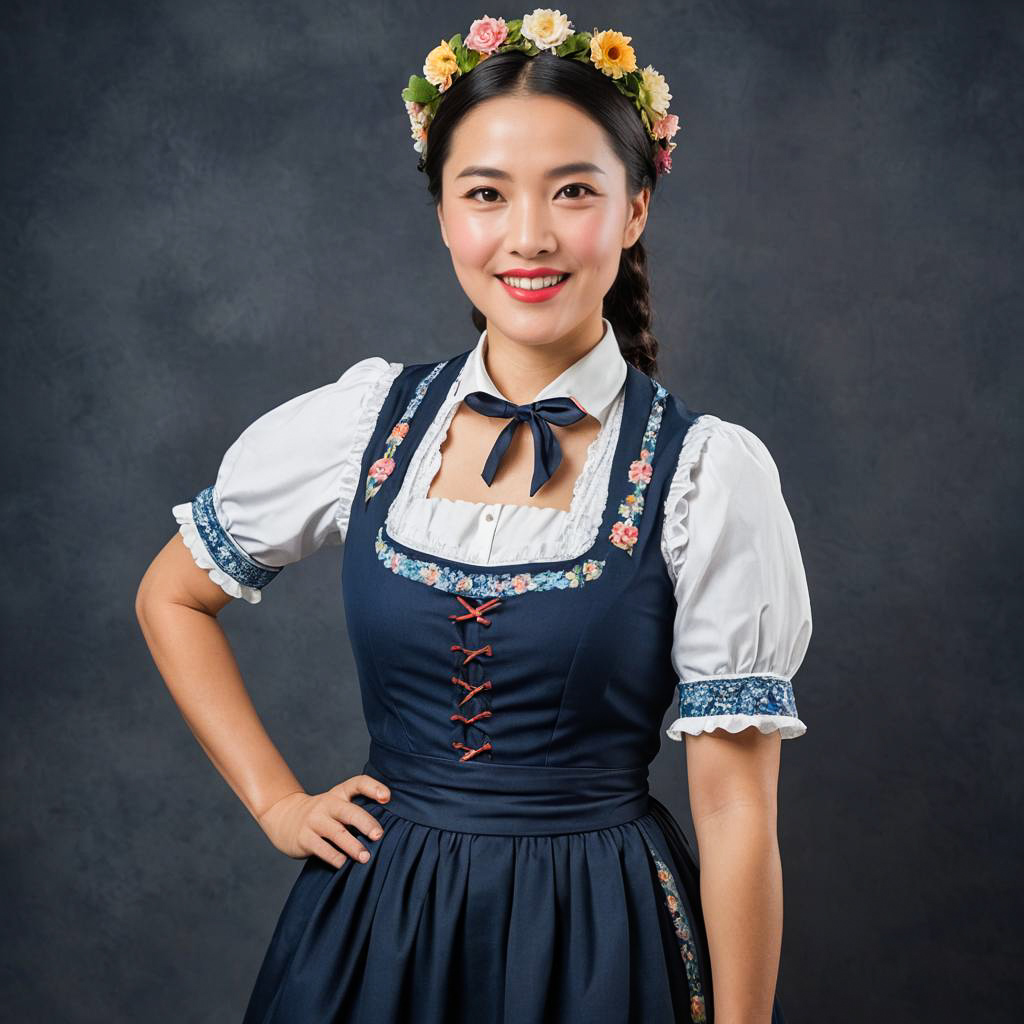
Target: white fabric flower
pixel 655 91
pixel 546 28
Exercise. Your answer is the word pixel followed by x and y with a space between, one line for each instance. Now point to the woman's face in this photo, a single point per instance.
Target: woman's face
pixel 511 200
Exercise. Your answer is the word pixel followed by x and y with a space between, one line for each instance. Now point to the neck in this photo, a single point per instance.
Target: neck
pixel 521 368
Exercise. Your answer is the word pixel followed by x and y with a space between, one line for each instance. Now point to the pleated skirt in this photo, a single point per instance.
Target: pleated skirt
pixel 452 927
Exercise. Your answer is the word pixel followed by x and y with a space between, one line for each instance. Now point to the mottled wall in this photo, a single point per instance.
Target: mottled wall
pixel 209 207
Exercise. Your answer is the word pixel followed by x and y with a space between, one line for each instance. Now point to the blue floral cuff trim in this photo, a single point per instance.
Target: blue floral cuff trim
pixel 739 695
pixel 229 557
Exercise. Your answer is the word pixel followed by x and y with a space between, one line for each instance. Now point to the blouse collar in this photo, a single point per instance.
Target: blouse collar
pixel 594 380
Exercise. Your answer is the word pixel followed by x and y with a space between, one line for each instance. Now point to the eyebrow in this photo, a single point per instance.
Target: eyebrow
pixel 579 167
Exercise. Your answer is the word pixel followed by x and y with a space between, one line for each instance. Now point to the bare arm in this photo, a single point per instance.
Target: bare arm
pixel 177 605
pixel 733 782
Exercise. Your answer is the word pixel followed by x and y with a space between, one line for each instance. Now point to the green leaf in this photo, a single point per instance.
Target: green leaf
pixel 419 90
pixel 467 59
pixel 578 42
pixel 456 41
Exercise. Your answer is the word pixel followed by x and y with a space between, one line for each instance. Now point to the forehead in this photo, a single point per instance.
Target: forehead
pixel 526 133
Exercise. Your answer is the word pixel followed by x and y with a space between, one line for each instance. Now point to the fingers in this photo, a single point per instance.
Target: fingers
pixel 353 814
pixel 368 786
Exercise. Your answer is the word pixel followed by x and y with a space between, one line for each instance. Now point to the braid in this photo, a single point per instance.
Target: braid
pixel 628 306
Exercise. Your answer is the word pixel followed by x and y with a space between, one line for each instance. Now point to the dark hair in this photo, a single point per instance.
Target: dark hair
pixel 627 304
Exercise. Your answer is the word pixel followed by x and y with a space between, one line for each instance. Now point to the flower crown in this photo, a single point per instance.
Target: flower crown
pixel 545 29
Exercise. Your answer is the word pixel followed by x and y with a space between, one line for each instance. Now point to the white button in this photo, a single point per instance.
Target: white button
pixel 488 517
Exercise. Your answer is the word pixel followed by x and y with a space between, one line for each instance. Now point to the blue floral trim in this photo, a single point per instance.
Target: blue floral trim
pixel 383 467
pixel 484 584
pixel 229 557
pixel 744 695
pixel 625 533
pixel 684 932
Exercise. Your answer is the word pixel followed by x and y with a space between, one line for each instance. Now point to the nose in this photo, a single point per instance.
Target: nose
pixel 529 228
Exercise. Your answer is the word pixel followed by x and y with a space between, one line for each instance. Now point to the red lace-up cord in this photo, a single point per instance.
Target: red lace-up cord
pixel 470 750
pixel 471 654
pixel 474 612
pixel 473 690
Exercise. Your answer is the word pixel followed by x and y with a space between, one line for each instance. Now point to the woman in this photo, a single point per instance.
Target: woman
pixel 524 605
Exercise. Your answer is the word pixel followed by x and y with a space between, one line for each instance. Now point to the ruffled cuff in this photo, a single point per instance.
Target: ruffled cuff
pixel 734 703
pixel 213 550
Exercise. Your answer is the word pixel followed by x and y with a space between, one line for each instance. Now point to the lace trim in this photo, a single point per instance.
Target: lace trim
pixel 190 535
pixel 582 520
pixel 674 533
pixel 788 726
pixel 369 413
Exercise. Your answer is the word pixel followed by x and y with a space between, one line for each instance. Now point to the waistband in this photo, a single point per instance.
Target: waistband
pixel 506 799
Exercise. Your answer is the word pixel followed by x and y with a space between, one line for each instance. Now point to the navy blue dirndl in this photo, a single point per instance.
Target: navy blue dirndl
pixel 526 875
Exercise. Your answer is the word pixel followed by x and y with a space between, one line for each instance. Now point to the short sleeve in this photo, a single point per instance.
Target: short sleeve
pixel 285 486
pixel 743 616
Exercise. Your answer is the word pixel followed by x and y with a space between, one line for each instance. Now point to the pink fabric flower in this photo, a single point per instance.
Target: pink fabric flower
pixel 624 535
pixel 640 471
pixel 486 35
pixel 662 160
pixel 382 469
pixel 665 127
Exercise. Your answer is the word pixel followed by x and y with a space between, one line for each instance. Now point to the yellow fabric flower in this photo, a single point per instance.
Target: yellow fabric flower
pixel 440 65
pixel 611 53
pixel 654 92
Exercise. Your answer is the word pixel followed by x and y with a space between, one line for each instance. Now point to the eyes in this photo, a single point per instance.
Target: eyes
pixel 587 190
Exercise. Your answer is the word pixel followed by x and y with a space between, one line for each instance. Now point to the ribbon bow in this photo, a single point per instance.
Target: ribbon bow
pixel 547 453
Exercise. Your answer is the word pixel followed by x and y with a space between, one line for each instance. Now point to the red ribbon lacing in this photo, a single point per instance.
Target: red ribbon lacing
pixel 476 613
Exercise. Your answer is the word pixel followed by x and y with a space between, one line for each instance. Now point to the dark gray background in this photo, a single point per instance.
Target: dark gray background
pixel 212 206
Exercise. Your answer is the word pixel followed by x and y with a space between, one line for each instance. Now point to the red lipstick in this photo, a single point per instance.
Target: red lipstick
pixel 533 294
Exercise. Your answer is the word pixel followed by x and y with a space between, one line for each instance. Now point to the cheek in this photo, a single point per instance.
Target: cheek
pixel 595 241
pixel 471 239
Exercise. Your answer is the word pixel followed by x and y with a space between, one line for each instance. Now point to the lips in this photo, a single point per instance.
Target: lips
pixel 536 294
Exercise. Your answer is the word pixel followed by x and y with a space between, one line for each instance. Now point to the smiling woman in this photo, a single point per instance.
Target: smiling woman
pixel 524 606
pixel 525 151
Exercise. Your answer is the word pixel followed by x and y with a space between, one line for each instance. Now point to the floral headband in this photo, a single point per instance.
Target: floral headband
pixel 545 29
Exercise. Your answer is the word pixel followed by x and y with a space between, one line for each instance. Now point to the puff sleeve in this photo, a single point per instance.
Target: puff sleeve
pixel 285 486
pixel 743 616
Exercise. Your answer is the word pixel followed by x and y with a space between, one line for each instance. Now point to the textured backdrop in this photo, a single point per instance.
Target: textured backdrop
pixel 211 206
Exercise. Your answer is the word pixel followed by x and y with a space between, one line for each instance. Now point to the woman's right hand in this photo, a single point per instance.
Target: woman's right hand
pixel 301 823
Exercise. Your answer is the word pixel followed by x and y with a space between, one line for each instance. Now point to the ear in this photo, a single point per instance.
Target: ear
pixel 638 208
pixel 440 219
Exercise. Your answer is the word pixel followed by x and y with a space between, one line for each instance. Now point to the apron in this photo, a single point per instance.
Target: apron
pixel 526 875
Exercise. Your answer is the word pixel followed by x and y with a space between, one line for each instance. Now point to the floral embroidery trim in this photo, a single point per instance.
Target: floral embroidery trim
pixel 383 467
pixel 230 558
pixel 484 584
pixel 739 695
pixel 625 533
pixel 684 932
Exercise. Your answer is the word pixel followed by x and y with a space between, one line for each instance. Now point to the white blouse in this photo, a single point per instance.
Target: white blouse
pixel 742 626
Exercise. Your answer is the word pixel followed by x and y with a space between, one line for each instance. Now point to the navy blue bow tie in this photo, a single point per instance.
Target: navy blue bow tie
pixel 547 453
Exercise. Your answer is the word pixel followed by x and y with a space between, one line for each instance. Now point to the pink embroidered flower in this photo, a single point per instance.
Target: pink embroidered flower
pixel 640 471
pixel 394 561
pixel 399 430
pixel 521 583
pixel 382 469
pixel 486 35
pixel 624 535
pixel 662 160
pixel 465 583
pixel 430 574
pixel 665 127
